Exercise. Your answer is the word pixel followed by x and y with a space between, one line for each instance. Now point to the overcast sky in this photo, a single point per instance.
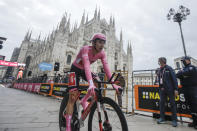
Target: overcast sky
pixel 143 22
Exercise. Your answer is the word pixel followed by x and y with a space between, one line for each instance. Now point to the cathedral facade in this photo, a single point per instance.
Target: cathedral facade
pixel 64 42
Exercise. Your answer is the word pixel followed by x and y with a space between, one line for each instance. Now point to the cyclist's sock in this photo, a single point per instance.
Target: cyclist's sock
pixel 84 104
pixel 68 121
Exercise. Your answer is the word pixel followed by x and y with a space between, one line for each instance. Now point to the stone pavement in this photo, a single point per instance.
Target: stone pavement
pixel 24 111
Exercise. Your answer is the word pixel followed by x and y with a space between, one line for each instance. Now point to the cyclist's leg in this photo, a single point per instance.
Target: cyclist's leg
pixel 71 101
pixel 69 108
pixel 84 102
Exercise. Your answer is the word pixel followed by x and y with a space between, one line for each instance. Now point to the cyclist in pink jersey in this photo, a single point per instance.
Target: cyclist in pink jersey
pixel 81 66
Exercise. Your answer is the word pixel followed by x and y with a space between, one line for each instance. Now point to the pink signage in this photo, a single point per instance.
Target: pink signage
pixel 36 87
pixel 7 63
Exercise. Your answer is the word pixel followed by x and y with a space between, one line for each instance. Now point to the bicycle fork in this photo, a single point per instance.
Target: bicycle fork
pixel 106 123
pixel 99 116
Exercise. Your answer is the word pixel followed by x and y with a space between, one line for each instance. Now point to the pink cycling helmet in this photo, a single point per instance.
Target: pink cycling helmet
pixel 98 36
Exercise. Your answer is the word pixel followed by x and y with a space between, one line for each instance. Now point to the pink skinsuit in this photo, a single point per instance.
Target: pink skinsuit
pixel 85 57
pixel 83 61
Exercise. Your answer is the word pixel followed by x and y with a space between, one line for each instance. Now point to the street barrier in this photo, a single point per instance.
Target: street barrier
pixel 59 89
pixel 46 88
pixel 49 89
pixel 147 99
pixel 31 87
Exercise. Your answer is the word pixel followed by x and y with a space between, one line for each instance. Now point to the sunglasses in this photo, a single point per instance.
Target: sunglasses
pixel 101 41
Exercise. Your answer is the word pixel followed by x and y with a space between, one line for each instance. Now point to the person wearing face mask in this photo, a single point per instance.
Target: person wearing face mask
pixel 168 86
pixel 188 79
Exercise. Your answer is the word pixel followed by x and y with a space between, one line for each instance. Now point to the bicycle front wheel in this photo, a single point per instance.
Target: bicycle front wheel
pixel 112 117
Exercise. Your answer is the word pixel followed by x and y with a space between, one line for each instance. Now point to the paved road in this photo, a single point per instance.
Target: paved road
pixel 24 111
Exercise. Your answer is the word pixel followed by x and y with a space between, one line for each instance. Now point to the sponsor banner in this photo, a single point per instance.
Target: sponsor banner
pixel 72 79
pixel 45 88
pixel 59 89
pixel 18 85
pixel 30 87
pixel 21 86
pixel 147 99
pixel 7 63
pixel 45 66
pixel 36 87
pixel 21 64
pixel 25 86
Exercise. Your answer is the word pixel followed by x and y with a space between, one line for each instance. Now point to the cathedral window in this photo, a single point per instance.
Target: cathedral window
pixel 116 56
pixel 116 67
pixel 69 57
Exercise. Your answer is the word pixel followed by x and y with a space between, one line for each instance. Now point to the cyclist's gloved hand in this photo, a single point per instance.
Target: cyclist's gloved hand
pixel 91 87
pixel 118 88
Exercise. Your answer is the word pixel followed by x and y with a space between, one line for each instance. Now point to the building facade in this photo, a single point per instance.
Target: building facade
pixel 3 70
pixel 64 42
pixel 14 58
pixel 144 78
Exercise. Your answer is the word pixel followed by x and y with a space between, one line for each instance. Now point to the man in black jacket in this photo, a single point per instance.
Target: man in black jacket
pixel 188 78
pixel 168 86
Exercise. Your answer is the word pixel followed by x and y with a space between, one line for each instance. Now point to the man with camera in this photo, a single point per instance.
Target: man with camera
pixel 188 78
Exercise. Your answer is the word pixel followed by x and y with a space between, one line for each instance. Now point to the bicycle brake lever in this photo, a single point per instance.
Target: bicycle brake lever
pixel 111 77
pixel 120 90
pixel 117 77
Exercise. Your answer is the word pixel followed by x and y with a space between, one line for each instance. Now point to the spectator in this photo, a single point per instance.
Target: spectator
pixel 168 86
pixel 188 78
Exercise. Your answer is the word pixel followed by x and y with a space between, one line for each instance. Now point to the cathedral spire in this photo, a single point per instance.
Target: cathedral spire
pixel 63 22
pixel 48 37
pixel 83 18
pixel 95 13
pixel 113 22
pixel 27 35
pixel 44 40
pixel 99 15
pixel 130 49
pixel 121 35
pixel 110 21
pixel 128 46
pixel 87 18
pixel 39 36
pixel 68 25
pixel 75 25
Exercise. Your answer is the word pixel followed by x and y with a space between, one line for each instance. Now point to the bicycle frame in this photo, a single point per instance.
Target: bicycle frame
pixel 96 98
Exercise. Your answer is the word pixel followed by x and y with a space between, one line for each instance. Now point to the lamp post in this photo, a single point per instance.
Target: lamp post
pixel 178 16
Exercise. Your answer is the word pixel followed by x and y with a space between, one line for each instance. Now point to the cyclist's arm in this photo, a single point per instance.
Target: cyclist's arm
pixel 106 66
pixel 86 64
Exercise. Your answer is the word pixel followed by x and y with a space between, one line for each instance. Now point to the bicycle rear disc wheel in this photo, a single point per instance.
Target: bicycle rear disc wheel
pixel 117 120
